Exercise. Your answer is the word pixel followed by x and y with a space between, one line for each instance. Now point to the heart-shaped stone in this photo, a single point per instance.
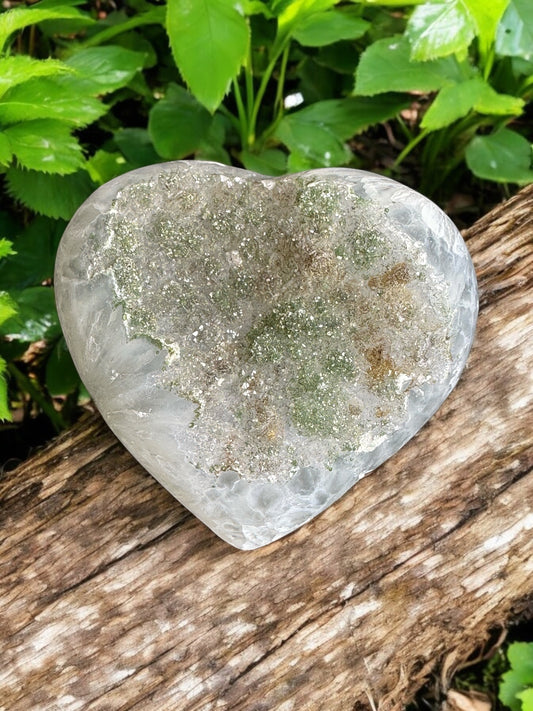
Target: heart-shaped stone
pixel 260 344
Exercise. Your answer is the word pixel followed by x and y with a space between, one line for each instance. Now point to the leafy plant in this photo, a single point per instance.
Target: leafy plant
pixel 251 52
pixel 44 102
pixel 44 105
pixel 516 687
pixel 87 93
pixel 7 310
pixel 462 52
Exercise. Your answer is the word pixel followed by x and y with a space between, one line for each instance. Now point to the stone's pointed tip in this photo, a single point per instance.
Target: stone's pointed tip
pixel 259 344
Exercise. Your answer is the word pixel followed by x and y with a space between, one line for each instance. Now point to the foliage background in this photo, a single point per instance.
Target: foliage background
pixel 435 94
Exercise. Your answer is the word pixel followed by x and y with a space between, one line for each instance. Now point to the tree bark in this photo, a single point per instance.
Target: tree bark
pixel 113 596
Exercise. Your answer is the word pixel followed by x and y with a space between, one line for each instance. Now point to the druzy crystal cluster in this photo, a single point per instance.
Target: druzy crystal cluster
pixel 260 344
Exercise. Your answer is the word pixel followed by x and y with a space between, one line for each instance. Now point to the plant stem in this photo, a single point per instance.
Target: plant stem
pixel 409 147
pixel 487 62
pixel 243 119
pixel 27 386
pixel 405 130
pixel 249 78
pixel 262 88
pixel 278 103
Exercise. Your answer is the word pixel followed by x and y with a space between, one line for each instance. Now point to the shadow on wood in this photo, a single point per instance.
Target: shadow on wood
pixel 113 596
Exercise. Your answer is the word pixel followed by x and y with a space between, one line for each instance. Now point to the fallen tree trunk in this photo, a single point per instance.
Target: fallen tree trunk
pixel 113 596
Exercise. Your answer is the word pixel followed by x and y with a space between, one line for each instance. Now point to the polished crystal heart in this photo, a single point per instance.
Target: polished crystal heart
pixel 260 344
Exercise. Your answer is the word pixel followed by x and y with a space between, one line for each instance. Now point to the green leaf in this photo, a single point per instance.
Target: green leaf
pixel 5 413
pixel 50 195
pixel 269 162
pixel 212 146
pixel 61 376
pixel 315 146
pixel 47 98
pixel 438 29
pixel 6 248
pixel 486 16
pixel 100 70
pixel 256 7
pixel 18 69
pixel 316 134
pixel 457 100
pixel 346 117
pixel 526 697
pixel 393 3
pixel 33 262
pixel 36 317
pixel 341 58
pixel 386 66
pixel 178 123
pixel 209 41
pixel 504 157
pixel 292 13
pixel 514 36
pixel 519 676
pixel 5 150
pixel 45 145
pixel 20 17
pixel 332 26
pixel 136 146
pixel 104 166
pixel 8 307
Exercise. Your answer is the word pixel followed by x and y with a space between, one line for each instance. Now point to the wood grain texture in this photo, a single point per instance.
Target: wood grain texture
pixel 113 596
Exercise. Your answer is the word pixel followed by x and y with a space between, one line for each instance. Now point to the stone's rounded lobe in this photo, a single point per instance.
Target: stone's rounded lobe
pixel 260 344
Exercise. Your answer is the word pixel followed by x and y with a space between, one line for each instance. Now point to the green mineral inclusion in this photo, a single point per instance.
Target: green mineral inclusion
pixel 291 312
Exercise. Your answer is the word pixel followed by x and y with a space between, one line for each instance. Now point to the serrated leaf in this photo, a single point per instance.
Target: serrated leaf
pixel 438 29
pixel 457 100
pixel 504 156
pixel 6 248
pixel 386 66
pixel 51 195
pixel 61 376
pixel 514 36
pixel 45 145
pixel 178 123
pixel 209 41
pixel 46 98
pixel 324 28
pixel 36 317
pixel 5 150
pixel 33 262
pixel 20 17
pixel 100 70
pixel 269 162
pixel 20 68
pixel 136 146
pixel 486 16
pixel 8 307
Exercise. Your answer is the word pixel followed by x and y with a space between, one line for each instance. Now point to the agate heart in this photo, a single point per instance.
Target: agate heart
pixel 260 344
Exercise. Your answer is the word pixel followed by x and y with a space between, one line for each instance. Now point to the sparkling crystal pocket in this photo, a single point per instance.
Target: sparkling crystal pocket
pixel 260 344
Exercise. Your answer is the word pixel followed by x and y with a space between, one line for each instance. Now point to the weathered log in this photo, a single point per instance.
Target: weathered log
pixel 113 596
